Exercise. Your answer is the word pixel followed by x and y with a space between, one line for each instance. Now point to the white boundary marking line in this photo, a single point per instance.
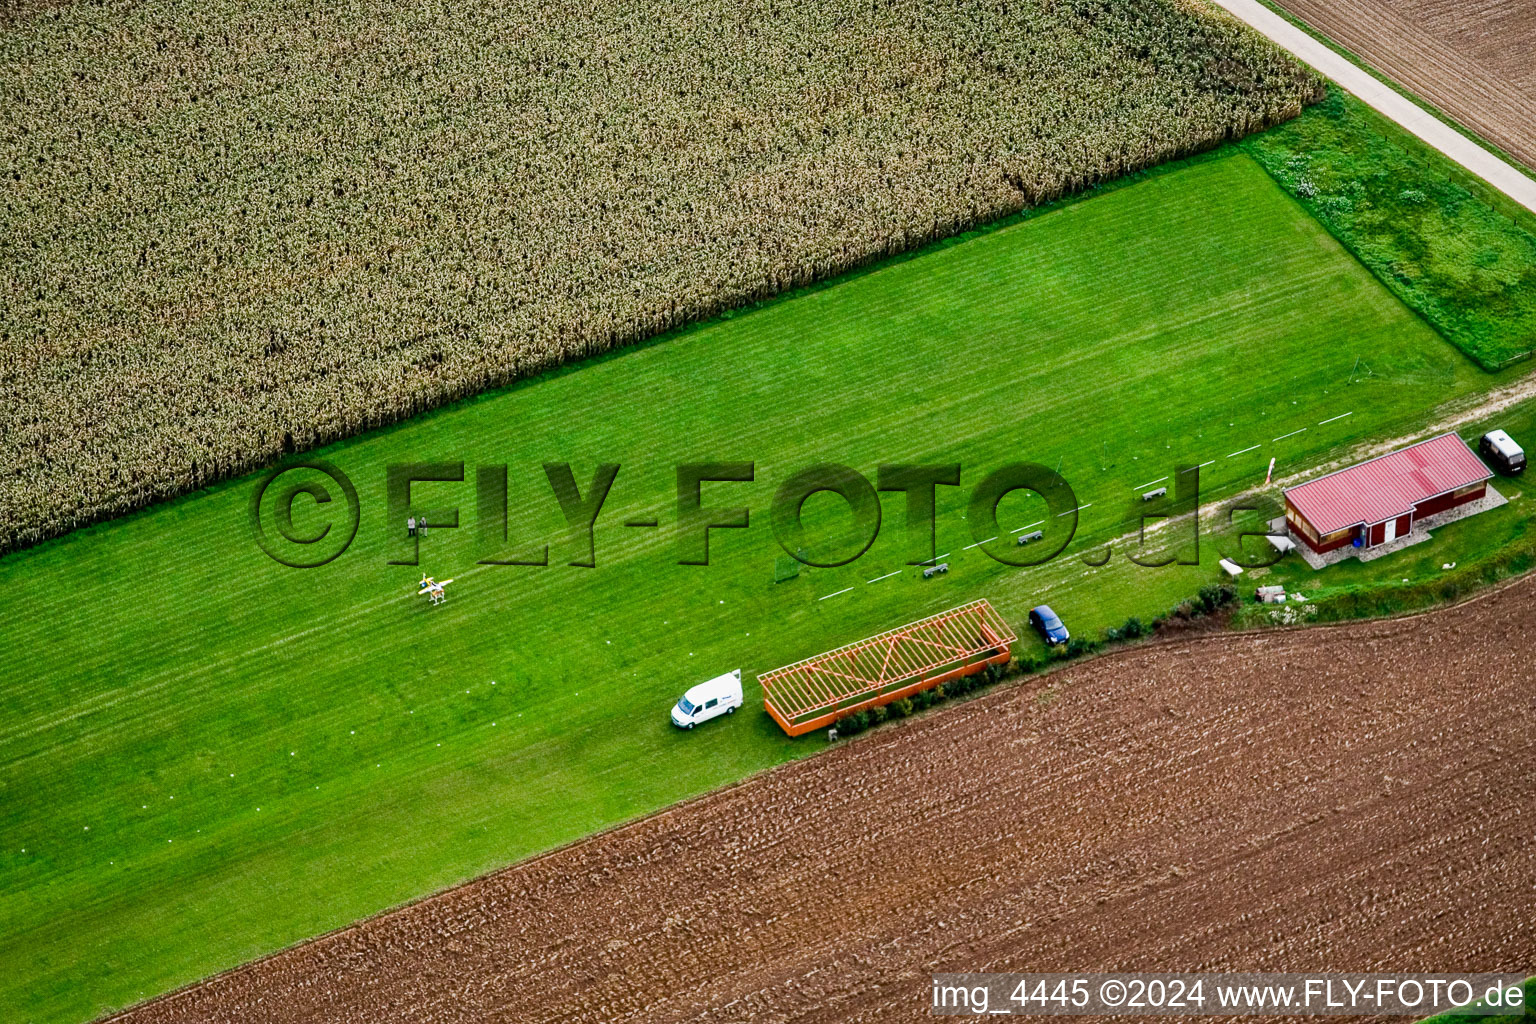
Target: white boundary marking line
pixel 1149 483
pixel 825 596
pixel 1070 511
pixel 1338 417
pixel 978 544
pixel 1023 528
pixel 887 576
pixel 1293 433
pixel 1201 466
pixel 1245 451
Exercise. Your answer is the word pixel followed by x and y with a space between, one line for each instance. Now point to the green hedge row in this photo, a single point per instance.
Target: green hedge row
pixel 1209 600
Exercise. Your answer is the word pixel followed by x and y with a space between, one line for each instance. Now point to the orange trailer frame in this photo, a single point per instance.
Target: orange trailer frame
pixel 817 691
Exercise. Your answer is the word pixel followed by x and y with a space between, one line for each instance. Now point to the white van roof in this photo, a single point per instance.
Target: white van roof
pixel 1504 443
pixel 728 683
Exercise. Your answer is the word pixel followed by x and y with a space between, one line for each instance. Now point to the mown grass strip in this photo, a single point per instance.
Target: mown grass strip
pixel 262 753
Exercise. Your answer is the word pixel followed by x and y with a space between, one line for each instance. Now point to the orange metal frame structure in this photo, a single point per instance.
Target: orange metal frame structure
pixel 817 691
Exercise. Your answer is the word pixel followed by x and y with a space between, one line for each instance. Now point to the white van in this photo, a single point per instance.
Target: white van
pixel 720 696
pixel 1500 449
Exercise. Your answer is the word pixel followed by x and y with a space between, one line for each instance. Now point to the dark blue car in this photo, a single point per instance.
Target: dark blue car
pixel 1048 626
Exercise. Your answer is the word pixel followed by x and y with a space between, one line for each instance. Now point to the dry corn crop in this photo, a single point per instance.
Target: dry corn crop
pixel 234 229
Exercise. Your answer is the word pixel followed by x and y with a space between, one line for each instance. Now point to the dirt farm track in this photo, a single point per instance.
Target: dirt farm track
pixel 1470 58
pixel 1351 798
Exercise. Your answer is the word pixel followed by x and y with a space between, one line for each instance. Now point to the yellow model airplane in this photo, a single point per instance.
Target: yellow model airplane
pixel 433 589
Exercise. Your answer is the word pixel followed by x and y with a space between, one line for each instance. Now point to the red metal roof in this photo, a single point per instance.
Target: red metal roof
pixel 1387 486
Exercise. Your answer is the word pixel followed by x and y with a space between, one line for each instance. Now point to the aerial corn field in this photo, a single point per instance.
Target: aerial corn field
pixel 234 230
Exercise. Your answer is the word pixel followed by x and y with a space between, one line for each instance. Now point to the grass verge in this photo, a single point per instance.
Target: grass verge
pixel 1465 265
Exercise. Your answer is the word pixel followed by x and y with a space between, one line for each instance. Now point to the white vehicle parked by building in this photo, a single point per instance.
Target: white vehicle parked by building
pixel 1500 449
pixel 719 696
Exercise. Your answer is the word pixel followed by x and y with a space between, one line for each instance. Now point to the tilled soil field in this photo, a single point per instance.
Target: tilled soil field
pixel 1352 798
pixel 1470 58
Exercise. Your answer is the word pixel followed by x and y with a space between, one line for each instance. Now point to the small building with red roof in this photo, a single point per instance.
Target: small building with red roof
pixel 1379 500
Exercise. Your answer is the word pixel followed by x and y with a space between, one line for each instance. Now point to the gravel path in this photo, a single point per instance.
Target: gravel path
pixel 1470 58
pixel 1346 798
pixel 1497 172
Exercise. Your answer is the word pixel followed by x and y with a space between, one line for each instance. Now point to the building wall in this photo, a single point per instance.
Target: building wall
pixel 1445 501
pixel 1303 529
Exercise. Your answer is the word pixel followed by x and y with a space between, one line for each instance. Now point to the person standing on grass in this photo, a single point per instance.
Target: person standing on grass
pixel 410 527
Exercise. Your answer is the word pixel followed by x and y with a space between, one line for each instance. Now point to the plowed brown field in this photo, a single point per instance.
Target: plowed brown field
pixel 1351 798
pixel 1470 58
